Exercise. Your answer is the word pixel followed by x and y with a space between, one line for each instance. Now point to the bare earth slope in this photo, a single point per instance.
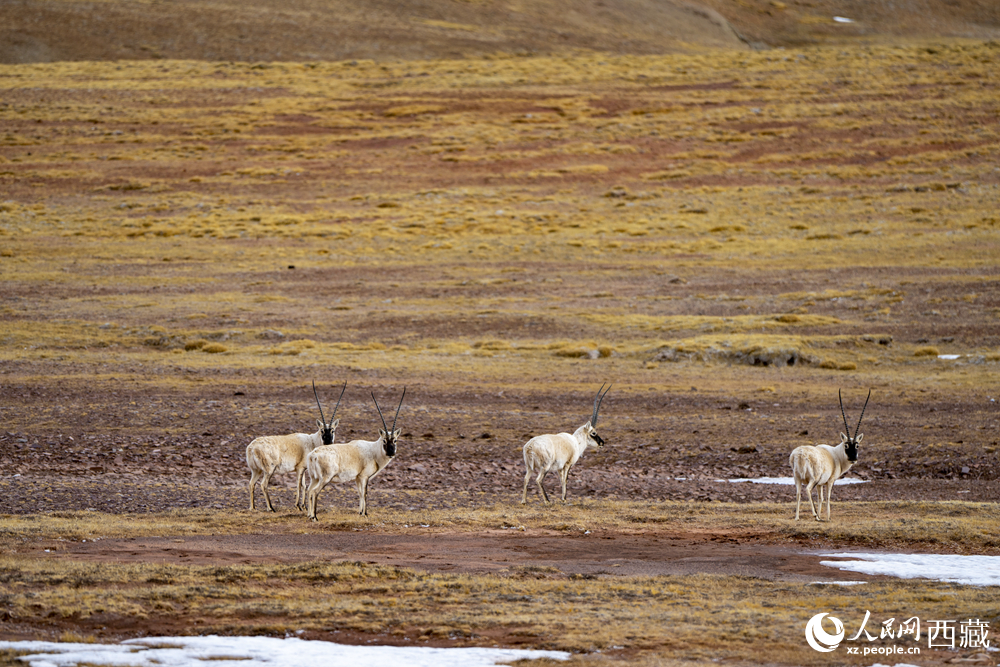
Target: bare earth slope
pixel 309 30
pixel 802 22
pixel 345 29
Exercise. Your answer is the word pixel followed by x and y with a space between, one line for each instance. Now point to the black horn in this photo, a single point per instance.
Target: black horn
pixel 862 414
pixel 597 404
pixel 320 404
pixel 847 428
pixel 397 410
pixel 384 425
pixel 338 401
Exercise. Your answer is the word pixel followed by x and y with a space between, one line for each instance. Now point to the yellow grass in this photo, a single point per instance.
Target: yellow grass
pixel 691 617
pixel 954 526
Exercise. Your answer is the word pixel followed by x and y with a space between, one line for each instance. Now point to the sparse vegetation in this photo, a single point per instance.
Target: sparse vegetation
pixel 960 527
pixel 526 601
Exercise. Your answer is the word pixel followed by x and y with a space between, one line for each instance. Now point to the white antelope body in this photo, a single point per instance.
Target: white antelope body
pixel 357 461
pixel 559 452
pixel 822 465
pixel 274 454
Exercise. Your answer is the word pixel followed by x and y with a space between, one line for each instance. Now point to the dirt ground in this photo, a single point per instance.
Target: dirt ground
pixel 601 552
pixel 670 447
pixel 311 30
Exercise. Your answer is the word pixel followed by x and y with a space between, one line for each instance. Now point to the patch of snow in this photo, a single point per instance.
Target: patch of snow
pixel 949 357
pixel 836 583
pixel 261 652
pixel 969 570
pixel 788 480
pixel 841 19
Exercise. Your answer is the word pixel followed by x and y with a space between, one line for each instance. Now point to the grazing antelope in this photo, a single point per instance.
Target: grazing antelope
pixel 823 465
pixel 271 454
pixel 560 451
pixel 357 460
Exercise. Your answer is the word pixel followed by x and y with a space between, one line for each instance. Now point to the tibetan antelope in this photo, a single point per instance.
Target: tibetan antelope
pixel 560 451
pixel 271 454
pixel 357 461
pixel 823 465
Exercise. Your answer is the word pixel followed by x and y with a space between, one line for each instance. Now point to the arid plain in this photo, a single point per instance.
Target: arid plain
pixel 729 238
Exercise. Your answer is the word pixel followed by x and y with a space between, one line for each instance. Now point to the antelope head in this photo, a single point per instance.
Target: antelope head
pixel 851 442
pixel 592 435
pixel 387 435
pixel 326 428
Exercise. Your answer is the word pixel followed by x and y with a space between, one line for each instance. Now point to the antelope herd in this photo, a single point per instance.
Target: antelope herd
pixel 357 460
pixel 813 466
pixel 271 454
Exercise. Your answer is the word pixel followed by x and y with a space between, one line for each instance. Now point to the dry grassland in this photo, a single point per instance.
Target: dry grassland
pixel 701 618
pixel 191 180
pixel 645 620
pixel 957 527
pixel 184 245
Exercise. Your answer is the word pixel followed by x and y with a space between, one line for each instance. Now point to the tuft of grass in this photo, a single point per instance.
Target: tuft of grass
pixel 573 352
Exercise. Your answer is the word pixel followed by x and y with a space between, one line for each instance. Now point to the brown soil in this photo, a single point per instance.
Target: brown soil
pixel 601 552
pixel 536 554
pixel 120 471
pixel 312 30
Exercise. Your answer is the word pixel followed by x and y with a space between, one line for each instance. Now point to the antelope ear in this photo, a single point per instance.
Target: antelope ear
pixel 334 424
pixel 319 422
pixel 858 439
pixel 395 434
pixel 843 438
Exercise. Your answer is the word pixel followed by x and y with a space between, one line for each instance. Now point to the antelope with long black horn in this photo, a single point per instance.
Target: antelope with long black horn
pixel 560 451
pixel 822 465
pixel 357 461
pixel 273 454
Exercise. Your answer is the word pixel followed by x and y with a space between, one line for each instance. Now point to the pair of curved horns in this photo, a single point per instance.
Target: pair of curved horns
pixel 844 414
pixel 597 404
pixel 321 407
pixel 387 429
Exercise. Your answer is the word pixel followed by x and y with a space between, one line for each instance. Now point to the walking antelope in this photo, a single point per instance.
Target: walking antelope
pixel 560 451
pixel 357 460
pixel 823 465
pixel 271 454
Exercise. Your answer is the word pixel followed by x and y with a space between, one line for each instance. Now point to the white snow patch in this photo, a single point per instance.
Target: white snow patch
pixel 949 357
pixel 970 570
pixel 789 480
pixel 262 652
pixel 841 19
